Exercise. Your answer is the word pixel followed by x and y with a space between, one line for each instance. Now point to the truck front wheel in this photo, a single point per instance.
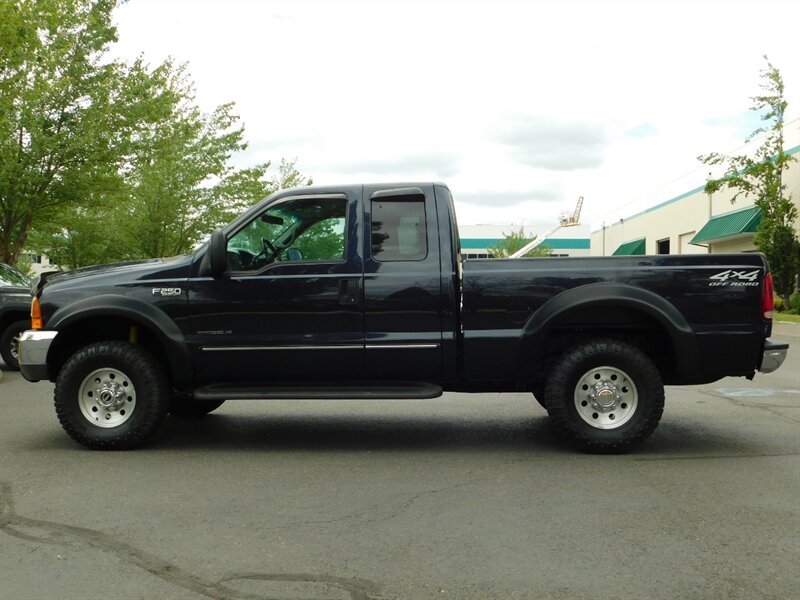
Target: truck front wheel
pixel 111 396
pixel 605 396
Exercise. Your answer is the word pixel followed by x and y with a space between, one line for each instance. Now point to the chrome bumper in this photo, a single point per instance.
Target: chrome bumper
pixel 774 355
pixel 33 349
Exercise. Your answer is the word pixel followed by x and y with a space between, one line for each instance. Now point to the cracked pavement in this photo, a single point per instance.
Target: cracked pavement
pixel 466 496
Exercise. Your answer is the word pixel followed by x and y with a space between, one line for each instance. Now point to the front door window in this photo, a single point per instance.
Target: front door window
pixel 300 229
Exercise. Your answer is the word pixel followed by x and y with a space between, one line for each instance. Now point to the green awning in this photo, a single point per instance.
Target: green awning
pixel 630 248
pixel 739 222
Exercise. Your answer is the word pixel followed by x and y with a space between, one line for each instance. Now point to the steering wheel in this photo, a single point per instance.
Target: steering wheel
pixel 269 250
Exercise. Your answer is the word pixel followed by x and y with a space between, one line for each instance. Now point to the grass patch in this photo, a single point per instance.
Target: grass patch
pixel 785 318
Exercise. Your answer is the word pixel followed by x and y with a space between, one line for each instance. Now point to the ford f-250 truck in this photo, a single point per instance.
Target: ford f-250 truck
pixel 360 291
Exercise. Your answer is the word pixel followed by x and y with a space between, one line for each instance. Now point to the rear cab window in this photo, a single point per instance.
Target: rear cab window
pixel 399 228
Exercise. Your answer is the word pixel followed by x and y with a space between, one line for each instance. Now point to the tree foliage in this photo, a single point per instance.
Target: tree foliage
pixel 515 240
pixel 760 177
pixel 179 183
pixel 63 113
pixel 102 160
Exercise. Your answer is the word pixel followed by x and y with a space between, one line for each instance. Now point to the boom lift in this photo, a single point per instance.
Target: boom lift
pixel 565 220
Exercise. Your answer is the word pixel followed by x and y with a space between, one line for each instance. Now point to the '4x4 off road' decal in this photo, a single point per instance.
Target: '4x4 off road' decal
pixel 731 278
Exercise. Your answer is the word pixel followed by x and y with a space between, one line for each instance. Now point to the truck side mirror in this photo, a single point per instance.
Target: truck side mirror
pixel 218 253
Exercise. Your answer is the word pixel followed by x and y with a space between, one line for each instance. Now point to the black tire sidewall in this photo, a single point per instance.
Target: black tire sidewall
pixel 7 335
pixel 146 377
pixel 577 361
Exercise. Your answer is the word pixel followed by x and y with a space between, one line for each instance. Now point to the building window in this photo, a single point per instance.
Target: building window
pixel 662 246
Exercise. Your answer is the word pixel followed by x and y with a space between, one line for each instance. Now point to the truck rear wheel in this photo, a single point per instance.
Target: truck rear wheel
pixel 605 396
pixel 111 396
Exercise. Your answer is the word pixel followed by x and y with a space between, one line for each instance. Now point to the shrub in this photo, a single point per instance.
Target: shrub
pixel 780 306
pixel 794 301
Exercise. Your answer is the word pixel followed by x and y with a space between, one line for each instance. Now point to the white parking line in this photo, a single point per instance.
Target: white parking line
pixel 753 392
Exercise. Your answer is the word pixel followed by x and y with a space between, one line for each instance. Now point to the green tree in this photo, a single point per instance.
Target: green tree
pixel 158 205
pixel 760 177
pixel 514 241
pixel 65 112
pixel 179 183
pixel 75 240
pixel 323 240
pixel 102 160
pixel 288 176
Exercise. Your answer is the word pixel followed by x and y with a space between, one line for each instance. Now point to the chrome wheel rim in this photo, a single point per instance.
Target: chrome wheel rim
pixel 107 397
pixel 606 397
pixel 15 346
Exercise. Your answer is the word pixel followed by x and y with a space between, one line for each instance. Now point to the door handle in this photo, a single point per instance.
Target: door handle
pixel 349 291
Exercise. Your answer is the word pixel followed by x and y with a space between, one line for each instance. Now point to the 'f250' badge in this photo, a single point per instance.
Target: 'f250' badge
pixel 731 278
pixel 166 291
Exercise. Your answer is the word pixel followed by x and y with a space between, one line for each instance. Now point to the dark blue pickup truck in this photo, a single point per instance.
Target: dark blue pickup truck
pixel 360 291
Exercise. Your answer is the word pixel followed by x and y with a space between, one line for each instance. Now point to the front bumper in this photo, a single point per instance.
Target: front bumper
pixel 774 355
pixel 33 348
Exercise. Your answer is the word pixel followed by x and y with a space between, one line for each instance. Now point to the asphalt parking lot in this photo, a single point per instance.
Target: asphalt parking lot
pixel 466 496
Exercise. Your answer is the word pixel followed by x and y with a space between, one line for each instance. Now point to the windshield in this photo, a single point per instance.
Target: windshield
pixel 9 276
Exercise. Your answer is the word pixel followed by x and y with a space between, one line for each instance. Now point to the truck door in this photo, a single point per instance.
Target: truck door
pixel 402 284
pixel 290 308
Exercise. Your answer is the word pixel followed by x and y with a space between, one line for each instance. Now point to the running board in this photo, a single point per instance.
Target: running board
pixel 405 390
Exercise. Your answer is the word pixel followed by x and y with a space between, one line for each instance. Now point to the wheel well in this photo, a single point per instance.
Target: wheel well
pixel 12 316
pixel 102 328
pixel 635 327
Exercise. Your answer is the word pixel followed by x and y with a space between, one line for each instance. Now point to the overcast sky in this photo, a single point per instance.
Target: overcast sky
pixel 520 107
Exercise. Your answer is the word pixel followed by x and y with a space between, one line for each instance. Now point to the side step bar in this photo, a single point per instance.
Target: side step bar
pixel 406 390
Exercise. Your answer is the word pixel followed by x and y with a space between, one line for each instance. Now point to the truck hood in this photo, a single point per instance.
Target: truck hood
pixel 120 272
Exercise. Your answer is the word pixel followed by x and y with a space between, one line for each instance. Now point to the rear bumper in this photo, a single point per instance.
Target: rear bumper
pixel 33 349
pixel 774 355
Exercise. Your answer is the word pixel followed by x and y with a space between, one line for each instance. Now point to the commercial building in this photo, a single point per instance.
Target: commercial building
pixel 477 241
pixel 695 222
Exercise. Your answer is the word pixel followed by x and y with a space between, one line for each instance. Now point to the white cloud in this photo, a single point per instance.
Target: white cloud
pixel 552 144
pixel 415 90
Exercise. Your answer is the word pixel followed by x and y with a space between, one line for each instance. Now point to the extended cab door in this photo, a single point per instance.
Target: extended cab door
pixel 402 284
pixel 290 307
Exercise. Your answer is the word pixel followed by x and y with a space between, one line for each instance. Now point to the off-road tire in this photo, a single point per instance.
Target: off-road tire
pixel 142 373
pixel 538 395
pixel 564 398
pixel 186 407
pixel 8 335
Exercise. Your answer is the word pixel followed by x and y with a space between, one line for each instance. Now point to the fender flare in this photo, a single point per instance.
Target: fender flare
pixel 542 322
pixel 9 307
pixel 146 315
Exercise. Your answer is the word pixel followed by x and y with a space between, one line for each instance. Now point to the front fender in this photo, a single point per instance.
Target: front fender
pixel 595 295
pixel 146 315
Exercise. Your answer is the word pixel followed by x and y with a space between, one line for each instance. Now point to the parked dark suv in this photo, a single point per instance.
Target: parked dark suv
pixel 15 312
